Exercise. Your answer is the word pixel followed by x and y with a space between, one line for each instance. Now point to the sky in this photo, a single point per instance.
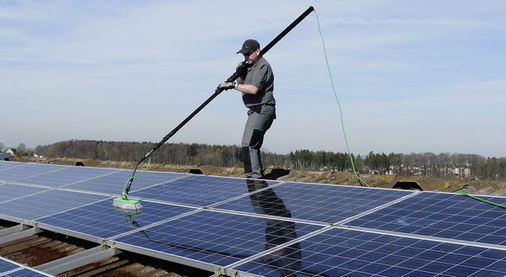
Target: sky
pixel 410 76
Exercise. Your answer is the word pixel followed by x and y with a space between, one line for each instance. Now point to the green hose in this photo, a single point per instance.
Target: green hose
pixel 344 131
pixel 338 103
pixel 124 193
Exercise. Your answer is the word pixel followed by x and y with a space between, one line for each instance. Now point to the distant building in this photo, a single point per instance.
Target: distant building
pixel 11 151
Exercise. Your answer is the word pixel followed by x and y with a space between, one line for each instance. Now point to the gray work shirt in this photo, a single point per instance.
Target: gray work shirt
pixel 260 75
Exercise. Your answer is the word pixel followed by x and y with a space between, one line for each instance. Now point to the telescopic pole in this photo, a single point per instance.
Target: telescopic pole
pixel 232 78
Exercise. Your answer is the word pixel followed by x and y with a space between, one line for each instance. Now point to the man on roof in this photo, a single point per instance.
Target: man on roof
pixel 257 87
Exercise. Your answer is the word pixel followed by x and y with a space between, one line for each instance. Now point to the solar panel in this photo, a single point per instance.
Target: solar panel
pixel 13 173
pixel 101 220
pixel 197 190
pixel 67 176
pixel 25 272
pixel 442 215
pixel 46 203
pixel 10 268
pixel 318 202
pixel 10 191
pixel 113 183
pixel 341 252
pixel 266 228
pixel 8 165
pixel 217 238
pixel 6 265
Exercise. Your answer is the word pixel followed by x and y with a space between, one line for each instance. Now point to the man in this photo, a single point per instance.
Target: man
pixel 257 86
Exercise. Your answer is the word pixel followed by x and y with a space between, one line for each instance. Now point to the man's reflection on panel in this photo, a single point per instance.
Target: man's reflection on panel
pixel 277 232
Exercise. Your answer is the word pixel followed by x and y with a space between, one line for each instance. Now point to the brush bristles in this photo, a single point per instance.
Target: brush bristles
pixel 130 205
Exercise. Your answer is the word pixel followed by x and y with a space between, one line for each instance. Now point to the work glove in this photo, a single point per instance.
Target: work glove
pixel 227 85
pixel 242 67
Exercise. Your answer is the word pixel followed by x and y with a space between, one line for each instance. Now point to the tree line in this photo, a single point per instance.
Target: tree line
pixel 424 164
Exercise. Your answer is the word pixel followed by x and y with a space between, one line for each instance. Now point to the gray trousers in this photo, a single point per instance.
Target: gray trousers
pixel 259 121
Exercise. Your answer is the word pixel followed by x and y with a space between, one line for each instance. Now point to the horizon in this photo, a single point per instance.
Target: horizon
pixel 264 150
pixel 411 77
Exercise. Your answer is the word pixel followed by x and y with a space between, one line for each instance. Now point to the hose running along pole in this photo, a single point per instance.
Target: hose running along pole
pixel 240 70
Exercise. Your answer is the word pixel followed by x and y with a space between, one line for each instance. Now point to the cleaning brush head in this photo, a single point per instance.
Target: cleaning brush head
pixel 127 205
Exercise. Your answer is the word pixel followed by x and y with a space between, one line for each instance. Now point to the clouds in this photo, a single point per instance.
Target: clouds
pixel 411 76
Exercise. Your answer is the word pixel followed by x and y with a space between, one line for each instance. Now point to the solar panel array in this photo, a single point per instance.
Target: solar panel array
pixel 263 228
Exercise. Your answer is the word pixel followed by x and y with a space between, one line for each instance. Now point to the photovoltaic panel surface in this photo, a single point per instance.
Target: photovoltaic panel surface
pixel 113 183
pixel 103 221
pixel 11 192
pixel 25 272
pixel 197 190
pixel 67 176
pixel 325 203
pixel 4 165
pixel 46 203
pixel 6 265
pixel 26 170
pixel 10 268
pixel 340 252
pixel 442 215
pixel 217 238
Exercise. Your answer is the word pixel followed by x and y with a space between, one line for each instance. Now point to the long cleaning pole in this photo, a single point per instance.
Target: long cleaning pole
pixel 232 78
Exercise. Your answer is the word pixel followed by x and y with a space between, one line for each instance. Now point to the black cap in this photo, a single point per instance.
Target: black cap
pixel 249 46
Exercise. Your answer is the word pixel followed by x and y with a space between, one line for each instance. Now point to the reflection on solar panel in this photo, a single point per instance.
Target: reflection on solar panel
pixel 263 228
pixel 217 238
pixel 197 190
pixel 325 203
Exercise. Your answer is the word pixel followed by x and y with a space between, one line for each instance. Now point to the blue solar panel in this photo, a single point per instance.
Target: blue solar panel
pixel 8 165
pixel 11 191
pixel 340 252
pixel 26 170
pixel 197 190
pixel 103 221
pixel 6 265
pixel 217 238
pixel 326 203
pixel 46 203
pixel 442 215
pixel 10 268
pixel 25 272
pixel 113 183
pixel 68 175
